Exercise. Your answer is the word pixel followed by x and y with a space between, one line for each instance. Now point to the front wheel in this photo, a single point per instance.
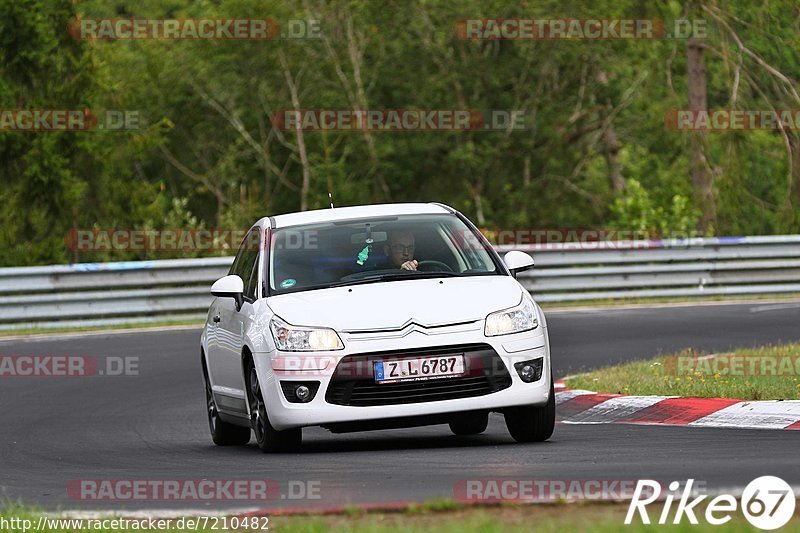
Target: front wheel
pixel 222 433
pixel 532 423
pixel 269 439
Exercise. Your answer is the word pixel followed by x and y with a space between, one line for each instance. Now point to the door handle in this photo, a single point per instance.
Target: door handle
pixel 216 319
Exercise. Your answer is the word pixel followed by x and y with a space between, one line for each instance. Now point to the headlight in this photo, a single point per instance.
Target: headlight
pixel 514 320
pixel 295 339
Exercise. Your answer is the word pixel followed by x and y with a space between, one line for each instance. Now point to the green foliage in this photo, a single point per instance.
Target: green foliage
pixel 207 155
pixel 761 373
pixel 635 210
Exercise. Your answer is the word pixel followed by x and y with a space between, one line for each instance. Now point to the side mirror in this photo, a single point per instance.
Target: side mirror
pixel 517 262
pixel 229 287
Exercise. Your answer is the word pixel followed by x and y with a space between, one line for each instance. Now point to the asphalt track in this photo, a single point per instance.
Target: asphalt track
pixel 153 426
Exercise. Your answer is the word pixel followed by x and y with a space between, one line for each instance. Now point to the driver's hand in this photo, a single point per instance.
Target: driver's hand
pixel 410 265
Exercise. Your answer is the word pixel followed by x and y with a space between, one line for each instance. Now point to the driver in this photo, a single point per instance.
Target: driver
pixel 400 250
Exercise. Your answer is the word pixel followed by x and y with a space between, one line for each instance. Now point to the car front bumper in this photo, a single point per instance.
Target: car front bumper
pixel 275 367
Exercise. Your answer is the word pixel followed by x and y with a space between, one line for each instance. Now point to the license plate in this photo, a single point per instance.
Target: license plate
pixel 419 368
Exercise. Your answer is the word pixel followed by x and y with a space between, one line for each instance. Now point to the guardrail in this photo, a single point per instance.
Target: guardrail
pixel 148 291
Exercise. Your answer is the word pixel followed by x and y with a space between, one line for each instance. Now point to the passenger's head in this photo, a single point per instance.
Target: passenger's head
pixel 400 247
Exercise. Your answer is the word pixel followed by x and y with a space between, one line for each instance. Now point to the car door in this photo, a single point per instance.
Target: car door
pixel 215 353
pixel 230 331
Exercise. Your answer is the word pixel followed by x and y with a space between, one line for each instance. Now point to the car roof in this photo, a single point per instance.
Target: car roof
pixel 355 212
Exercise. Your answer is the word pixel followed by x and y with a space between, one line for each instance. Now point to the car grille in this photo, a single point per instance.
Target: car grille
pixel 353 383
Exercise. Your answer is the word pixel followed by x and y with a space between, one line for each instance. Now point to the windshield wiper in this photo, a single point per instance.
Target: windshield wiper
pixel 407 274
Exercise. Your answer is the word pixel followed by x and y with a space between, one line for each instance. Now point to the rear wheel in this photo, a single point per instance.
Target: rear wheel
pixel 269 439
pixel 222 433
pixel 470 423
pixel 532 423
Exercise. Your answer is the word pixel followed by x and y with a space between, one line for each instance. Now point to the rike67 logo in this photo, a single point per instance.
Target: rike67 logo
pixel 768 503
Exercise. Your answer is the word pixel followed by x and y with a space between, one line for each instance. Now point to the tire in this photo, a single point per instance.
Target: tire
pixel 269 439
pixel 222 433
pixel 532 423
pixel 470 423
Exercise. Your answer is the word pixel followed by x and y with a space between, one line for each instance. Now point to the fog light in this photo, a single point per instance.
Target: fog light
pixel 302 393
pixel 530 371
pixel 299 391
pixel 527 372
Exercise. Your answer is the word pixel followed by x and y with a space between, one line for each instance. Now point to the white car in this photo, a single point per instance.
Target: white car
pixel 373 317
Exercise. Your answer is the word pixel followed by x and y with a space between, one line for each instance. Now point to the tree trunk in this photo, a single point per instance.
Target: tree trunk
pixel 794 185
pixel 476 191
pixel 526 171
pixel 702 179
pixel 612 148
pixel 355 52
pixel 301 140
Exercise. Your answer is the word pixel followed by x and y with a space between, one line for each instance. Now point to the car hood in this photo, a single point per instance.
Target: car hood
pixel 393 304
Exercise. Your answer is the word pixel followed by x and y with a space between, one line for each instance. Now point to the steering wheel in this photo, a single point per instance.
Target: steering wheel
pixel 367 274
pixel 440 267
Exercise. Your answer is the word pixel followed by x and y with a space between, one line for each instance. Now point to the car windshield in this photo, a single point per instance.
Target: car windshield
pixel 377 249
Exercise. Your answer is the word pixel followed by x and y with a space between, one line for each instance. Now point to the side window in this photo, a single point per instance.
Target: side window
pixel 246 261
pixel 235 263
pixel 250 288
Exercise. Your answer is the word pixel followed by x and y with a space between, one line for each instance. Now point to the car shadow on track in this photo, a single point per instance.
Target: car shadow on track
pixel 317 440
pixel 352 443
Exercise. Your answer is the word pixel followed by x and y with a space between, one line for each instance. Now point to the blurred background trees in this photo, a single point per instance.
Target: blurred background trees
pixel 596 152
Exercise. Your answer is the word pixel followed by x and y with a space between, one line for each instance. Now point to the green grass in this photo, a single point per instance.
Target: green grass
pixel 689 374
pixel 600 518
pixel 595 517
pixel 434 506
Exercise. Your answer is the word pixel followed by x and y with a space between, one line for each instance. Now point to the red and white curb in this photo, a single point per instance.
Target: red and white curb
pixel 587 407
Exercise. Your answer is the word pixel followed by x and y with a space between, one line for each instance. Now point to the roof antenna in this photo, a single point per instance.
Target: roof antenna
pixel 330 198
